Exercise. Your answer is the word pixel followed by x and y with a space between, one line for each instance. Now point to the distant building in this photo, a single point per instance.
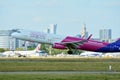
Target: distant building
pixel 6 41
pixel 47 30
pixel 105 34
pixel 78 36
pixel 53 28
pixel 84 32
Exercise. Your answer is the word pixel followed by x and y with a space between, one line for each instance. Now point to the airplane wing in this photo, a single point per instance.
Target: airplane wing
pixel 75 44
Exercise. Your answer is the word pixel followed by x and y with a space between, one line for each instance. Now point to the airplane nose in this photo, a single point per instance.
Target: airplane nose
pixel 14 34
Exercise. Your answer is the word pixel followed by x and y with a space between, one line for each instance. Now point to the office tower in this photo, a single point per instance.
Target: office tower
pixel 84 32
pixel 53 28
pixel 105 34
pixel 47 30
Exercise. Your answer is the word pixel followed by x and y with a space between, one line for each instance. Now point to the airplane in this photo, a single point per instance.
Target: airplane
pixel 67 42
pixel 91 54
pixel 29 53
pixel 111 55
pixel 8 54
pixel 35 52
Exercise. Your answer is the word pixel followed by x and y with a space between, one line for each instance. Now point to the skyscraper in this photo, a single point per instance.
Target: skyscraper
pixel 84 33
pixel 47 30
pixel 105 34
pixel 53 28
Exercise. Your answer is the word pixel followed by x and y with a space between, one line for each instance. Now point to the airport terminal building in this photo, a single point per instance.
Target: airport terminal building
pixel 6 41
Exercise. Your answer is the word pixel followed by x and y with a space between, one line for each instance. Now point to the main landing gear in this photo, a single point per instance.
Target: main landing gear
pixel 70 52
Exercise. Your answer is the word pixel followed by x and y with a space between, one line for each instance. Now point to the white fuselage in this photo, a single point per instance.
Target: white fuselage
pixel 38 36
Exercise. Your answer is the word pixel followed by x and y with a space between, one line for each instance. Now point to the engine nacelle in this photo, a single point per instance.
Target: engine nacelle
pixel 59 46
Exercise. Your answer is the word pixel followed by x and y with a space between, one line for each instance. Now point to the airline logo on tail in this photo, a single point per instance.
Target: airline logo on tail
pixel 38 48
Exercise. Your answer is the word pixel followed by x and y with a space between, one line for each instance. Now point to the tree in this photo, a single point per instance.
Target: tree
pixel 48 48
pixel 2 50
pixel 19 49
pixel 45 47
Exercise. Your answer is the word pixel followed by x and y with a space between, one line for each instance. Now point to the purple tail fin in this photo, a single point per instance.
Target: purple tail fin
pixel 117 42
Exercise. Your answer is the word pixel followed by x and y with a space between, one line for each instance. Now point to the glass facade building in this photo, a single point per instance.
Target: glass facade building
pixel 105 34
pixel 53 28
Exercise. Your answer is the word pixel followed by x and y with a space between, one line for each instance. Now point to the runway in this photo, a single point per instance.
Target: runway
pixel 63 72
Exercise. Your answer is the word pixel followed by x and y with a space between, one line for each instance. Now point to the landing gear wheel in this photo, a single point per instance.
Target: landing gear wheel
pixel 70 52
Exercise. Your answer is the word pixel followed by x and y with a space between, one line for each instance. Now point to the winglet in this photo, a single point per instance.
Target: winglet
pixel 89 37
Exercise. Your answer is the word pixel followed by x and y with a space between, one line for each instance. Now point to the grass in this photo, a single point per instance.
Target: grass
pixel 64 64
pixel 58 64
pixel 60 77
pixel 47 66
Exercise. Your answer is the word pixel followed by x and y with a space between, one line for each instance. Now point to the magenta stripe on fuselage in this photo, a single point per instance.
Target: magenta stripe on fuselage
pixel 90 45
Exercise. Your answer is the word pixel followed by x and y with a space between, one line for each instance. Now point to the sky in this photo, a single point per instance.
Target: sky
pixel 69 15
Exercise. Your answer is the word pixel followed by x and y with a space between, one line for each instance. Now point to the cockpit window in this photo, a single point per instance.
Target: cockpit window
pixel 16 30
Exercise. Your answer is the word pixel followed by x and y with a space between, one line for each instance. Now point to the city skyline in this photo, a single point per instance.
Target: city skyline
pixel 69 15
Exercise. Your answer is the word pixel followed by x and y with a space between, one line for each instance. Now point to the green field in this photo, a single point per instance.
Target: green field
pixel 64 64
pixel 60 77
pixel 59 64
